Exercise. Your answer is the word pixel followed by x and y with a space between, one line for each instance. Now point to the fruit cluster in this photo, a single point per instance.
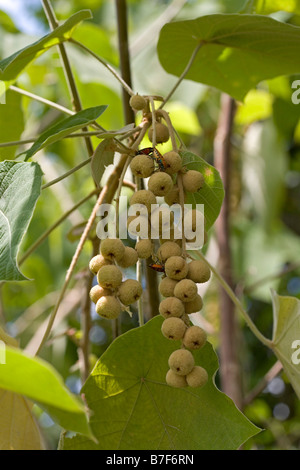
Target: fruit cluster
pixel 112 295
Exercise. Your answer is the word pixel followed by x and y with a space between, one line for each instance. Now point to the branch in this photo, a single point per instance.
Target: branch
pixel 230 367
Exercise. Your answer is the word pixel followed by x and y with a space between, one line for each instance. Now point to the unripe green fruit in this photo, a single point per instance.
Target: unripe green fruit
pixel 192 181
pixel 97 262
pixel 109 277
pixel 108 307
pixel 137 102
pixel 171 307
pixel 173 162
pixel 194 338
pixel 130 291
pixel 142 166
pixel 194 306
pixel 198 377
pixel 144 248
pixel 186 290
pixel 112 249
pixel 175 380
pixel 130 258
pixel 173 196
pixel 97 292
pixel 181 361
pixel 166 287
pixel 198 271
pixel 144 197
pixel 162 133
pixel 176 268
pixel 167 250
pixel 160 183
pixel 173 328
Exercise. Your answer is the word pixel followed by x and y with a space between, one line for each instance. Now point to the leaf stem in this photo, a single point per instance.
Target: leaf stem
pixel 35 97
pixel 68 173
pixel 109 67
pixel 184 73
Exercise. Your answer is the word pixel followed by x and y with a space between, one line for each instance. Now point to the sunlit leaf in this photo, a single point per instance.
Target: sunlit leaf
pixel 39 381
pixel 237 51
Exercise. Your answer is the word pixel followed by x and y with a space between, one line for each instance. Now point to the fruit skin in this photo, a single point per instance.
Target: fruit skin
pixel 108 307
pixel 142 166
pixel 97 262
pixel 181 361
pixel 173 162
pixel 109 277
pixel 144 197
pixel 192 181
pixel 112 249
pixel 198 377
pixel 173 328
pixel 186 290
pixel 167 250
pixel 198 271
pixel 130 291
pixel 144 248
pixel 162 133
pixel 175 380
pixel 130 258
pixel 171 307
pixel 97 292
pixel 137 102
pixel 194 306
pixel 166 287
pixel 194 338
pixel 176 268
pixel 173 196
pixel 160 183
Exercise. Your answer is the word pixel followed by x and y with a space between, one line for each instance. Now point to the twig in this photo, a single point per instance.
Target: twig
pixel 68 173
pixel 46 234
pixel 270 375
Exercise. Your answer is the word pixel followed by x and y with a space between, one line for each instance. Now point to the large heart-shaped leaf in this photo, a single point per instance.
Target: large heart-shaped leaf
pixel 39 381
pixel 237 51
pixel 20 186
pixel 12 66
pixel 133 408
pixel 286 336
pixel 211 195
pixel 65 127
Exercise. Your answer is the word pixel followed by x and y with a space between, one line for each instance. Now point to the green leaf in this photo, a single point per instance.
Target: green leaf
pixel 13 65
pixel 257 106
pixel 238 51
pixel 133 408
pixel 39 381
pixel 20 186
pixel 65 127
pixel 103 156
pixel 212 192
pixel 286 336
pixel 11 123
